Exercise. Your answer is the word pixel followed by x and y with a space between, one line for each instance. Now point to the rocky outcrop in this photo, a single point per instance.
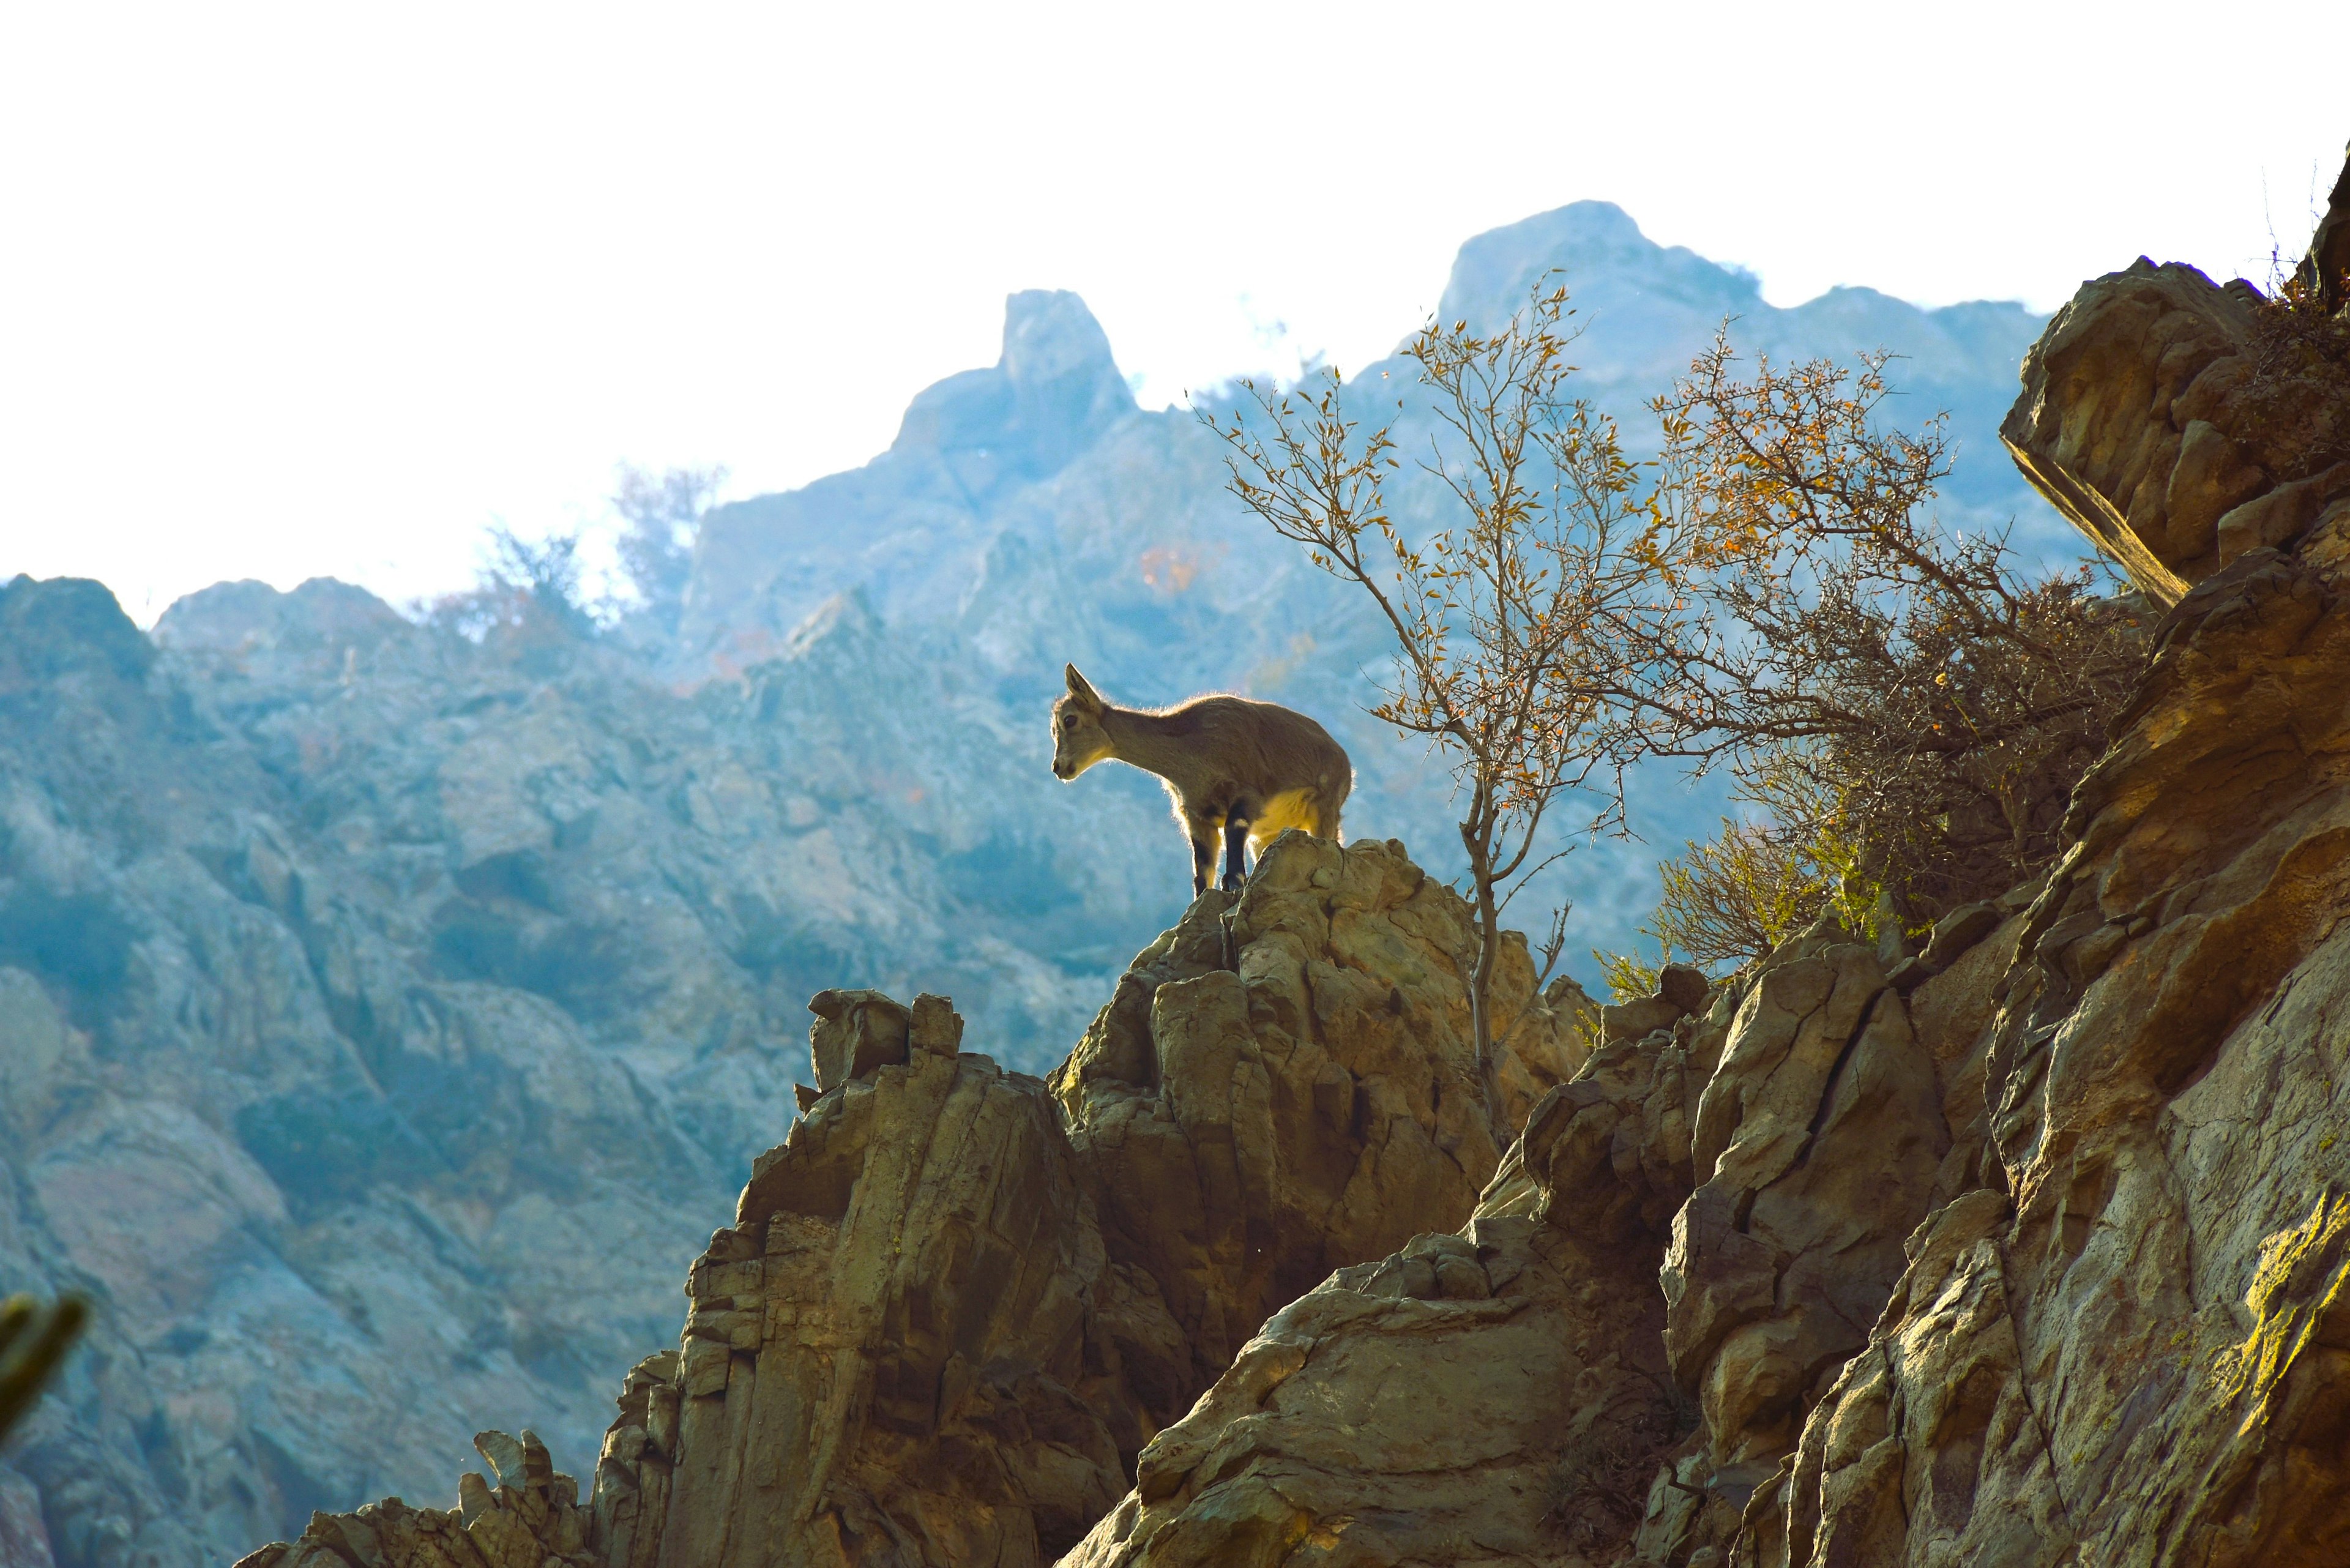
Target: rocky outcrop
pixel 526 1516
pixel 1317 1102
pixel 2177 427
pixel 2025 1246
pixel 1522 1389
pixel 958 1303
pixel 1497 1394
pixel 910 1342
pixel 963 1314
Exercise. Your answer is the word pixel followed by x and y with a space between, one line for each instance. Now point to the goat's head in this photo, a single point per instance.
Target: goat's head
pixel 1078 739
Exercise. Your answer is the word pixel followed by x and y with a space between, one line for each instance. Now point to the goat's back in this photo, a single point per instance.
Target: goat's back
pixel 1261 747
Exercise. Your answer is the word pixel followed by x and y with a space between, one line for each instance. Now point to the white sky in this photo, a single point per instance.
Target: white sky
pixel 327 288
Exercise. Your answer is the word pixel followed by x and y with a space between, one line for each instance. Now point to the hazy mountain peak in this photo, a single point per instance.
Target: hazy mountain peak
pixel 1050 339
pixel 54 626
pixel 1055 388
pixel 1600 251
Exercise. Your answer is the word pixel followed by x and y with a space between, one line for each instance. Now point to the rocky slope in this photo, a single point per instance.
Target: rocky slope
pixel 290 1163
pixel 2027 1243
pixel 2132 1347
pixel 392 1000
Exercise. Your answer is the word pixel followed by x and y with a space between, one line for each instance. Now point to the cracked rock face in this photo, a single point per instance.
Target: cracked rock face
pixel 2131 1342
pixel 1495 1394
pixel 2130 1345
pixel 1253 1127
pixel 1523 1390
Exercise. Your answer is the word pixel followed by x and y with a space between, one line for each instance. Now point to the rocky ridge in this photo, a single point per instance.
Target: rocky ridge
pixel 958 1301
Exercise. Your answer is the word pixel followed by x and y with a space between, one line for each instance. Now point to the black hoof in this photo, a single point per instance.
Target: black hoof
pixel 1230 884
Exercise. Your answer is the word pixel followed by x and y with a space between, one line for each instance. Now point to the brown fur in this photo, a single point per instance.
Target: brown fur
pixel 1242 768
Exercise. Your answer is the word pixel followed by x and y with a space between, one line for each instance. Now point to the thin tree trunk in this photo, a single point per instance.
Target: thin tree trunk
pixel 1488 943
pixel 1478 841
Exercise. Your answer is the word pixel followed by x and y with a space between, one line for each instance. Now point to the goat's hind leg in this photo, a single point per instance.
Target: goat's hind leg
pixel 1204 854
pixel 1236 832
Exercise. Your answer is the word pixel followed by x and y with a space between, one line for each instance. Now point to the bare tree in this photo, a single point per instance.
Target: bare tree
pixel 1909 710
pixel 661 514
pixel 1527 633
pixel 545 571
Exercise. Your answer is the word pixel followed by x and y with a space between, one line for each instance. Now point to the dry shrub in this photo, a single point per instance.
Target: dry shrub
pixel 1909 711
pixel 2296 399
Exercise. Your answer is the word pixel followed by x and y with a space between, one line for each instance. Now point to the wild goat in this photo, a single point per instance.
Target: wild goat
pixel 1245 769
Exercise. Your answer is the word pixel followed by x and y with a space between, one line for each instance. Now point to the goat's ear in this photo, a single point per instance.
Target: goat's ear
pixel 1079 690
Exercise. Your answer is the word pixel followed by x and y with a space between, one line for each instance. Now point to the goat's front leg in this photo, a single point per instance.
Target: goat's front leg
pixel 1204 854
pixel 1236 832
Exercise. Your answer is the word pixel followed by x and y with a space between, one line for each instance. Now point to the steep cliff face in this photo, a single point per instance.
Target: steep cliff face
pixel 2132 1346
